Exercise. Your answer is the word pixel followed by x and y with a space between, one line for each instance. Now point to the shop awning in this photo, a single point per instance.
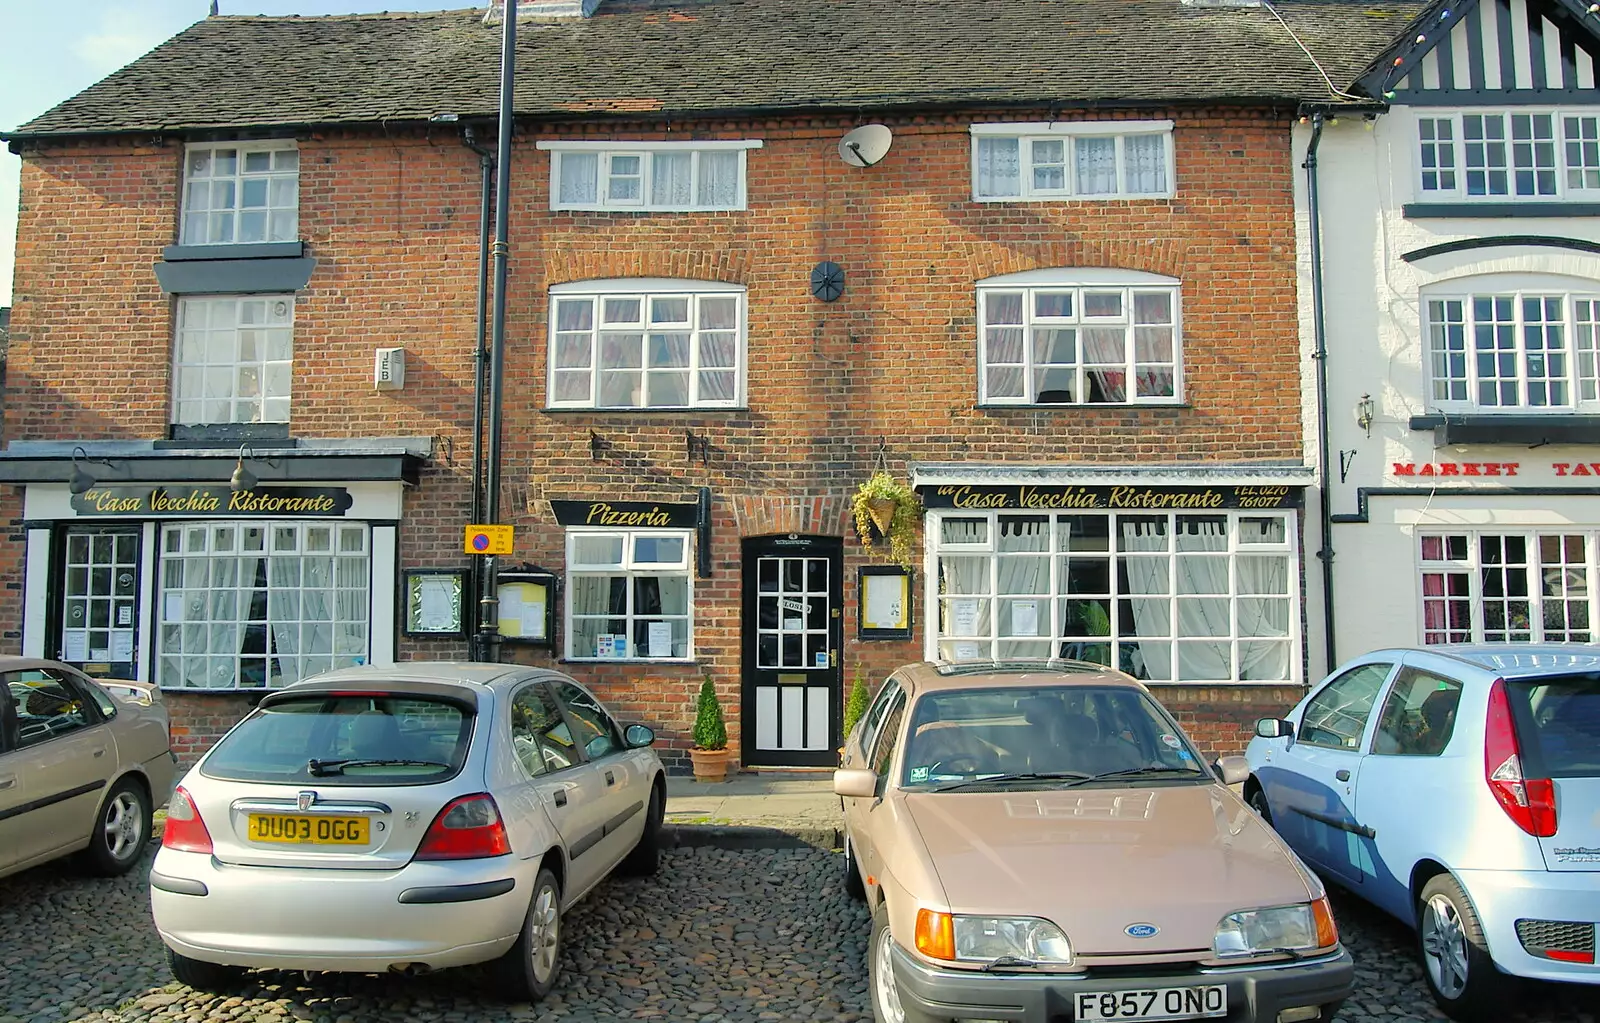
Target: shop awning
pixel 112 462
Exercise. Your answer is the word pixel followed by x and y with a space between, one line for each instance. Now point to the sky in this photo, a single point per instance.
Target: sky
pixel 54 51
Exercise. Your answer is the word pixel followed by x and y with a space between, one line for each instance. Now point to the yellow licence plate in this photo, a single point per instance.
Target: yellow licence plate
pixel 295 829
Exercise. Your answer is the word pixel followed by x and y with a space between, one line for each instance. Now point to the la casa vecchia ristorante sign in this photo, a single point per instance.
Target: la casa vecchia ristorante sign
pixel 1126 497
pixel 260 502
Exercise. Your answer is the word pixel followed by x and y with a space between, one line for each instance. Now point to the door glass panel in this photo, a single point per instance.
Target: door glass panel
pixel 597 733
pixel 100 599
pixel 1337 716
pixel 792 615
pixel 539 733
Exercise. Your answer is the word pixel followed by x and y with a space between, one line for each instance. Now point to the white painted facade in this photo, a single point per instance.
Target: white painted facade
pixel 1378 336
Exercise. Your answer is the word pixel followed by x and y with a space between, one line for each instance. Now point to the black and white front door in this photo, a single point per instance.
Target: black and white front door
pixel 97 621
pixel 791 637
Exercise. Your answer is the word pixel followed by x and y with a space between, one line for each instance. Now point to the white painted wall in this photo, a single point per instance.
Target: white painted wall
pixel 1375 346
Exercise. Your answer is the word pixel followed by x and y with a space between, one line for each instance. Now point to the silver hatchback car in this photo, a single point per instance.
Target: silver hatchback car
pixel 406 819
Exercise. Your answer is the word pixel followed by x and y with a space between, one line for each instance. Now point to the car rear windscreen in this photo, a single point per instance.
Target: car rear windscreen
pixel 346 739
pixel 1558 725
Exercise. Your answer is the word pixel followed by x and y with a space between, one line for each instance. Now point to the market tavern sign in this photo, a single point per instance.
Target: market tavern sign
pixel 147 502
pixel 635 514
pixel 1138 498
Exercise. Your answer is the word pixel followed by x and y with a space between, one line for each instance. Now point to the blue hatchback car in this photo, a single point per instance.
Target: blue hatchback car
pixel 1457 788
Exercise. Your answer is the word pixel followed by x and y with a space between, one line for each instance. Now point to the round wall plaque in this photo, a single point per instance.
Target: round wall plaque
pixel 827 280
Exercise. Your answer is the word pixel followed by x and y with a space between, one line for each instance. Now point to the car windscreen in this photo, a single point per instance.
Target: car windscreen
pixel 346 739
pixel 963 735
pixel 1558 725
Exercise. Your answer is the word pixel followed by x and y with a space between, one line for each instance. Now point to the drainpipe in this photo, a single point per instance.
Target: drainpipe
pixel 480 353
pixel 488 599
pixel 1320 354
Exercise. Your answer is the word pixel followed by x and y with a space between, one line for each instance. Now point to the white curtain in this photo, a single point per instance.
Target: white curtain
pixel 579 172
pixel 283 616
pixel 671 179
pixel 1102 346
pixel 591 595
pixel 1152 616
pixel 1027 575
pixel 999 167
pixel 719 179
pixel 1205 612
pixel 1097 164
pixel 964 584
pixel 1144 160
pixel 1264 616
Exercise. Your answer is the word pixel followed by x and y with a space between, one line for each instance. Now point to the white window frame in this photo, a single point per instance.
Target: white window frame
pixel 1565 191
pixel 1580 304
pixel 628 567
pixel 1078 280
pixel 607 151
pixel 939 646
pixel 186 233
pixel 192 338
pixel 173 562
pixel 1537 573
pixel 644 289
pixel 1028 132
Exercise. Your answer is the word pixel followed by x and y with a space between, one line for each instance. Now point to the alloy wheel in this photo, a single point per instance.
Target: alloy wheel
pixel 888 991
pixel 545 934
pixel 123 826
pixel 1444 946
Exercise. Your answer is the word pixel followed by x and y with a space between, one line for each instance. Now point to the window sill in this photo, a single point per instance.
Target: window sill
pixel 243 250
pixel 673 411
pixel 1081 406
pixel 224 433
pixel 1509 428
pixel 1031 200
pixel 1485 210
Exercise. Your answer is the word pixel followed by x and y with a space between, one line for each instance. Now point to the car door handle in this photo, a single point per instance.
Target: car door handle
pixel 560 797
pixel 611 779
pixel 6 783
pixel 1342 774
pixel 100 752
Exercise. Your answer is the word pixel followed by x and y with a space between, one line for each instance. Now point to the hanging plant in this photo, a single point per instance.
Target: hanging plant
pixel 888 509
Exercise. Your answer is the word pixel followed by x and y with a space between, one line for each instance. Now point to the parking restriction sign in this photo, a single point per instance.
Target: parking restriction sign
pixel 488 540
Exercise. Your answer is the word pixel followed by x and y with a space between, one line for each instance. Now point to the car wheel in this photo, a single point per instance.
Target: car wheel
pixel 528 971
pixel 1258 802
pixel 202 976
pixel 120 830
pixel 645 858
pixel 853 885
pixel 1455 956
pixel 887 1004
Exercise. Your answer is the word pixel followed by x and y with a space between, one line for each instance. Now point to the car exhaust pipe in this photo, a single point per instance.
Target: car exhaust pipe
pixel 410 969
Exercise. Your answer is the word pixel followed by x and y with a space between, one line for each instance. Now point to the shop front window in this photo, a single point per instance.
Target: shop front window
pixel 1507 587
pixel 631 595
pixel 261 603
pixel 1164 597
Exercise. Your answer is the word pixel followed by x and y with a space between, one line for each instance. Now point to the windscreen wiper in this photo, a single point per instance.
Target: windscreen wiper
pixel 1003 962
pixel 1001 779
pixel 320 768
pixel 1140 772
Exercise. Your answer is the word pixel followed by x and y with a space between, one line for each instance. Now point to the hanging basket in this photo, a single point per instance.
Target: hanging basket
pixel 886 510
pixel 881 510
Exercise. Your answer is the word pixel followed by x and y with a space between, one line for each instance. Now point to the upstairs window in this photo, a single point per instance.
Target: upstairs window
pixel 1519 345
pixel 1078 337
pixel 234 360
pixel 646 343
pixel 1497 156
pixel 1083 160
pixel 241 192
pixel 648 176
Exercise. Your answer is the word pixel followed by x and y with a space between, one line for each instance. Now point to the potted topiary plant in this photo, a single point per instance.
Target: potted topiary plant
pixel 885 508
pixel 855 705
pixel 710 751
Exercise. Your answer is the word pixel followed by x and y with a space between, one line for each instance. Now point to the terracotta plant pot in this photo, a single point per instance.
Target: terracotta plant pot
pixel 709 764
pixel 881 511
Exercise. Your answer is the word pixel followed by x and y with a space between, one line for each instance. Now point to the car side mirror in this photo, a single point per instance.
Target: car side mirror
pixel 638 737
pixel 1275 728
pixel 855 782
pixel 1232 770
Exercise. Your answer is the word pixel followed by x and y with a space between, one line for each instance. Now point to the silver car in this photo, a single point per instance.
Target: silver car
pixel 82 765
pixel 405 819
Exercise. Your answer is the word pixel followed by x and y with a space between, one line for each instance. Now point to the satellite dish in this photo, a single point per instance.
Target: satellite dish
pixel 866 145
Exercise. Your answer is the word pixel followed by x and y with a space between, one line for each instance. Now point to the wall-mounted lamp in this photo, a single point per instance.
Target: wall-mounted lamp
pixel 697 447
pixel 1364 413
pixel 243 478
pixel 80 482
pixel 597 445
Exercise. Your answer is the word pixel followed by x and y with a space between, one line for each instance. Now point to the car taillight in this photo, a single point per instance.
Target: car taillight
pixel 466 829
pixel 185 831
pixel 1529 802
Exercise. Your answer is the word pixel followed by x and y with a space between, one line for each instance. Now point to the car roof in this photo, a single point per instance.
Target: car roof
pixel 934 676
pixel 1512 660
pixel 12 662
pixel 469 673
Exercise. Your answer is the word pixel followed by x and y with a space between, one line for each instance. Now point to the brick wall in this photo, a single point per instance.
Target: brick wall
pixel 889 367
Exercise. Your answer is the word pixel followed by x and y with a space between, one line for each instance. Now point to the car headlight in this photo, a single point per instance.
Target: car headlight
pixel 1293 929
pixel 985 939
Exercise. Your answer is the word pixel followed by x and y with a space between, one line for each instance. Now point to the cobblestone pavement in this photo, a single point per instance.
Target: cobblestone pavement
pixel 721 936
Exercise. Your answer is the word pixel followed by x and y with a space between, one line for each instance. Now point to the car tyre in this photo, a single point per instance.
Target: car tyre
pixel 1455 957
pixel 887 1004
pixel 853 885
pixel 1258 802
pixel 213 978
pixel 645 859
pixel 529 969
pixel 121 830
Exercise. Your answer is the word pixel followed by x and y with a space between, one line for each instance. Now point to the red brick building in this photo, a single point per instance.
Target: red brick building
pixel 1062 304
